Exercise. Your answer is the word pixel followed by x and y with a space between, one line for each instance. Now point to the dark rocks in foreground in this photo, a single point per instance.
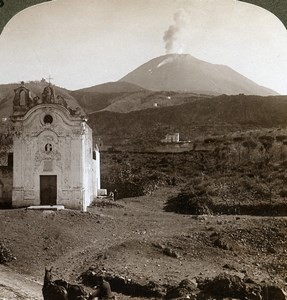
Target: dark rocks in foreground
pixel 223 286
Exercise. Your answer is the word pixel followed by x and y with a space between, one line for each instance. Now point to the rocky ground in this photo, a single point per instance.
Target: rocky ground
pixel 135 239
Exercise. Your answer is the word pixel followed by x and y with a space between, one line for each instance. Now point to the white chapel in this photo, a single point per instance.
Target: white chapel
pixel 54 160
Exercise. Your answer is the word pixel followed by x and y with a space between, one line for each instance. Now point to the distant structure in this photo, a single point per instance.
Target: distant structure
pixel 171 138
pixel 54 160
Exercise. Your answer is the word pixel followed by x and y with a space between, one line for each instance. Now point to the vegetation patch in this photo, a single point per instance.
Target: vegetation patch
pixel 105 203
pixel 235 194
pixel 132 180
pixel 5 254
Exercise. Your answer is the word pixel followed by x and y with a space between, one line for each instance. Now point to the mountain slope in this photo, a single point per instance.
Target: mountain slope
pixel 124 102
pixel 185 73
pixel 112 87
pixel 218 115
pixel 104 95
pixel 125 97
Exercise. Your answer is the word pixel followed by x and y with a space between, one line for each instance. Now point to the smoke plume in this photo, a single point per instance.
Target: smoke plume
pixel 172 35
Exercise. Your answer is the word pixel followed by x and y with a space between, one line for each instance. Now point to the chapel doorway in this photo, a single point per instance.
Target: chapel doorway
pixel 48 189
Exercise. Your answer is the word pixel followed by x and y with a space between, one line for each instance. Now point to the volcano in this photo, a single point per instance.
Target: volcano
pixel 185 73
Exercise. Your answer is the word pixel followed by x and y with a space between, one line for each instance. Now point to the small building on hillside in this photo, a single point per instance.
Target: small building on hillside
pixel 54 159
pixel 171 138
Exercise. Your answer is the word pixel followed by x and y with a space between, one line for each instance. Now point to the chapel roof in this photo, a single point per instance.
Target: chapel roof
pixel 24 101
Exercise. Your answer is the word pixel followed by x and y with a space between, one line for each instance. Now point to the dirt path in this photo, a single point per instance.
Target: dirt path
pixel 134 238
pixel 17 287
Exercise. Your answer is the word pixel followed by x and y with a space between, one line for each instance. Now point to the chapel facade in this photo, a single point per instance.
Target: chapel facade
pixel 54 160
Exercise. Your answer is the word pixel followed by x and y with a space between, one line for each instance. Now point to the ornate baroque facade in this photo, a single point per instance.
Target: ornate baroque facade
pixel 54 161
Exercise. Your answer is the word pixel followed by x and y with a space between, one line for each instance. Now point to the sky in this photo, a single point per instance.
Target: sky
pixel 88 42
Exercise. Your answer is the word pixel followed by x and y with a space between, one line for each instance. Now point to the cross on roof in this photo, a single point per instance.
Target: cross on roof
pixel 49 78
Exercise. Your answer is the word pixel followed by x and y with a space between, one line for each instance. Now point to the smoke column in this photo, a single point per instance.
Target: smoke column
pixel 171 36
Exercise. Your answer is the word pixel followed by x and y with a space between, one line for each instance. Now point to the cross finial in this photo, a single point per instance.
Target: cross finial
pixel 49 78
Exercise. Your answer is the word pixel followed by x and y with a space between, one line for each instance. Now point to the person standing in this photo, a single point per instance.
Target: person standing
pixel 116 194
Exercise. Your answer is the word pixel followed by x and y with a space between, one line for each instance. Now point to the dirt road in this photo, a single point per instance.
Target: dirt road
pixel 17 287
pixel 135 238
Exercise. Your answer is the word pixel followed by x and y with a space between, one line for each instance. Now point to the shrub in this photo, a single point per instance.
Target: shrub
pixel 5 254
pixel 283 193
pixel 266 139
pixel 190 204
pixel 238 139
pixel 281 138
pixel 209 140
pixel 249 144
pixel 134 182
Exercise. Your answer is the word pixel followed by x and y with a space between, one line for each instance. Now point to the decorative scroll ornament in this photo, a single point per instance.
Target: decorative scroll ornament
pixel 41 155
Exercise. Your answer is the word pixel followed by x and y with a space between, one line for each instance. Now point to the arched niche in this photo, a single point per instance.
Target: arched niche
pixel 21 98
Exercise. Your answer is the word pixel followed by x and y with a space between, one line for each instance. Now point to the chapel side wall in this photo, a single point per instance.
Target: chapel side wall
pixel 85 174
pixel 88 167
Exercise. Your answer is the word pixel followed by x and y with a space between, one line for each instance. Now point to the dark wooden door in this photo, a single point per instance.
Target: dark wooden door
pixel 48 189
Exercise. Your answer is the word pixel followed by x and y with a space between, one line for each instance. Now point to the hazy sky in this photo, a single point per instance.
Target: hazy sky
pixel 82 43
